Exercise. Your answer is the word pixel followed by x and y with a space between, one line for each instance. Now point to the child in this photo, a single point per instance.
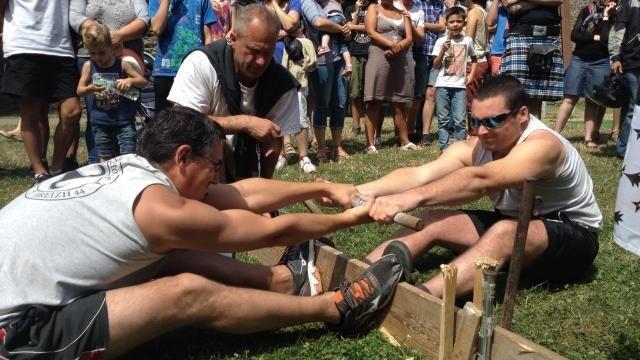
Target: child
pixel 335 15
pixel 451 60
pixel 112 115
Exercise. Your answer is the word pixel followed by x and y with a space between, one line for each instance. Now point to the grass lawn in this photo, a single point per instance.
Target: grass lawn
pixel 596 318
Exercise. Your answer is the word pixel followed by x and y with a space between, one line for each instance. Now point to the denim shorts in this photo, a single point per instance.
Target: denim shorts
pixel 582 75
pixel 115 140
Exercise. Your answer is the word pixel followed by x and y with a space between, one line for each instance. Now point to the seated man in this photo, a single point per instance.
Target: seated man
pixel 509 146
pixel 243 90
pixel 138 259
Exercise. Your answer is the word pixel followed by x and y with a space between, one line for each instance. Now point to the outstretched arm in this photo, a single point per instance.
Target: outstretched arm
pixel 525 161
pixel 169 222
pixel 260 195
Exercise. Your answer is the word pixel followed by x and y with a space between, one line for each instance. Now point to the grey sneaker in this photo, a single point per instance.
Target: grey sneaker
pixel 402 252
pixel 282 162
pixel 377 142
pixel 426 140
pixel 300 260
pixel 359 300
pixel 38 178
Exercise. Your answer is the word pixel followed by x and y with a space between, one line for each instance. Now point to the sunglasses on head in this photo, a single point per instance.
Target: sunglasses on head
pixel 493 122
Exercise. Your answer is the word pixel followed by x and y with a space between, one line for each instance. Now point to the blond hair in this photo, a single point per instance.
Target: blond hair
pixel 95 35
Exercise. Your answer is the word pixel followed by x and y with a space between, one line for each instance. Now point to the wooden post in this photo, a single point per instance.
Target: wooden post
pixel 567 44
pixel 447 313
pixel 515 263
pixel 466 341
pixel 482 264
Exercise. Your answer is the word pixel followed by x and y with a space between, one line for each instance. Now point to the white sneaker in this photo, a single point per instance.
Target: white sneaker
pixel 306 165
pixel 282 161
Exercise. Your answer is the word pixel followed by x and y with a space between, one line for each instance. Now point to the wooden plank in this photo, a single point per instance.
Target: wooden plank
pixel 413 317
pixel 466 341
pixel 447 312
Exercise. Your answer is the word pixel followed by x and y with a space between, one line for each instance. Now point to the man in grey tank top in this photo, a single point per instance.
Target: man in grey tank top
pixel 140 257
pixel 509 147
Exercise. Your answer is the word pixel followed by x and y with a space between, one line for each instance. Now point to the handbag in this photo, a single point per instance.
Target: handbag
pixel 540 57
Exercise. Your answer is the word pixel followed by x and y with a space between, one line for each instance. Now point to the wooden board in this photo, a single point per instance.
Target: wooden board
pixel 413 318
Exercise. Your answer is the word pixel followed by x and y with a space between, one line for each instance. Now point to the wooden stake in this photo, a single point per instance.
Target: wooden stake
pixel 466 341
pixel 515 263
pixel 447 314
pixel 482 264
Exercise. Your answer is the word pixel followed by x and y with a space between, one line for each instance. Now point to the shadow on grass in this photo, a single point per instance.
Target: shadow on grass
pixel 191 343
pixel 15 172
pixel 626 349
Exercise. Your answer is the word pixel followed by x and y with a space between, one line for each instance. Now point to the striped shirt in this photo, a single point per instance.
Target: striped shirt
pixel 433 10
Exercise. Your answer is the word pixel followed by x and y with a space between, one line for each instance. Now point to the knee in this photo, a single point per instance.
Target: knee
pixel 189 290
pixel 71 115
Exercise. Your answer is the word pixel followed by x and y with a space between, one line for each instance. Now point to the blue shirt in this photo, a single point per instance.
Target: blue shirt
pixel 498 45
pixel 311 11
pixel 433 11
pixel 183 33
pixel 294 5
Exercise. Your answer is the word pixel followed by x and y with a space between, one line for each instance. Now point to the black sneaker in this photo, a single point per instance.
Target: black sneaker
pixel 300 260
pixel 38 178
pixel 426 139
pixel 359 300
pixel 402 252
pixel 70 164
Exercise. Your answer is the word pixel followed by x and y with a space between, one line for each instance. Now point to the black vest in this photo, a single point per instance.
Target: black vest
pixel 274 83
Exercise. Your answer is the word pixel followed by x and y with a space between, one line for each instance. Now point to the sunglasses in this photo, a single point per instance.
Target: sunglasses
pixel 492 122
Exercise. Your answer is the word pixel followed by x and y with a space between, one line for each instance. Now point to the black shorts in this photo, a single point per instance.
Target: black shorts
pixel 79 330
pixel 52 78
pixel 571 251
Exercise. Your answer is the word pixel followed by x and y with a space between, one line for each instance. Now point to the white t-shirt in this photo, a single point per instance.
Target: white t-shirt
pixel 196 86
pixel 417 15
pixel 37 27
pixel 453 71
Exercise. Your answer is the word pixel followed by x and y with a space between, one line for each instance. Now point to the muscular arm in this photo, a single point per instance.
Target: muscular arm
pixel 525 161
pixel 159 20
pixel 289 21
pixel 456 157
pixel 250 194
pixel 169 222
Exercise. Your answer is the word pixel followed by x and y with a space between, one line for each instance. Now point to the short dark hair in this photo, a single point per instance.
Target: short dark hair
pixel 456 10
pixel 178 126
pixel 506 86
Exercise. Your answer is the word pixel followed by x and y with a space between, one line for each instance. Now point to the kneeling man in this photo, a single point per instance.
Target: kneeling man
pixel 102 259
pixel 509 147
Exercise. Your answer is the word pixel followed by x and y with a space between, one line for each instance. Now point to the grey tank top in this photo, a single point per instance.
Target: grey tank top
pixel 74 234
pixel 569 193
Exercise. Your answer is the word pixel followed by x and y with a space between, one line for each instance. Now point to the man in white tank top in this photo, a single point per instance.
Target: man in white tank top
pixel 509 146
pixel 140 257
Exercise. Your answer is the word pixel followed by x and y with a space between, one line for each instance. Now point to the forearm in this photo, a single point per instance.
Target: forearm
pixel 359 28
pixel 159 20
pixel 232 124
pixel 83 90
pixel 279 194
pixel 460 187
pixel 397 181
pixel 206 32
pixel 326 25
pixel 288 24
pixel 437 62
pixel 138 81
pixel 435 28
pixel 134 30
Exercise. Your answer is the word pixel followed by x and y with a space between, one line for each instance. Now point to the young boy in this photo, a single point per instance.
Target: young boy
pixel 112 115
pixel 451 60
pixel 335 15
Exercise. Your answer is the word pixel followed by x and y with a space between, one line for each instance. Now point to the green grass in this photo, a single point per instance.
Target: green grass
pixel 596 318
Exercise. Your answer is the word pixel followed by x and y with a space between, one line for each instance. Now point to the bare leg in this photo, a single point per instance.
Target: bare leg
pixel 16 131
pixel 302 138
pixel 372 120
pixel 497 242
pixel 428 109
pixel 31 130
pixel 615 129
pixel 400 122
pixel 355 112
pixel 413 115
pixel 69 112
pixel 44 129
pixel 593 115
pixel 535 107
pixel 564 112
pixel 140 313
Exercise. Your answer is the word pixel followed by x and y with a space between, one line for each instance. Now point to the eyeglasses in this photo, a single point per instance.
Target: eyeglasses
pixel 217 164
pixel 492 122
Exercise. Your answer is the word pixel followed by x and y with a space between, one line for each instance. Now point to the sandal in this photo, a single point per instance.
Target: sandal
pixel 614 135
pixel 289 149
pixel 590 144
pixel 322 155
pixel 410 147
pixel 371 150
pixel 339 154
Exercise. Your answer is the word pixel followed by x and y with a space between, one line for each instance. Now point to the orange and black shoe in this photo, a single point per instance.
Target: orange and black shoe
pixel 401 250
pixel 300 260
pixel 359 300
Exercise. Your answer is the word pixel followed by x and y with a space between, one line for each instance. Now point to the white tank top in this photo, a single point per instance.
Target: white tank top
pixel 75 233
pixel 569 193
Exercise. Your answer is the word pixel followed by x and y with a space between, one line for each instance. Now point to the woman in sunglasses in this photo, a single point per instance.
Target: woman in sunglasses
pixel 510 147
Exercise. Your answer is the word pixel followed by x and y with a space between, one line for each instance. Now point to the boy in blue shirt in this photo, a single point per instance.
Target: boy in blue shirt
pixel 112 115
pixel 181 26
